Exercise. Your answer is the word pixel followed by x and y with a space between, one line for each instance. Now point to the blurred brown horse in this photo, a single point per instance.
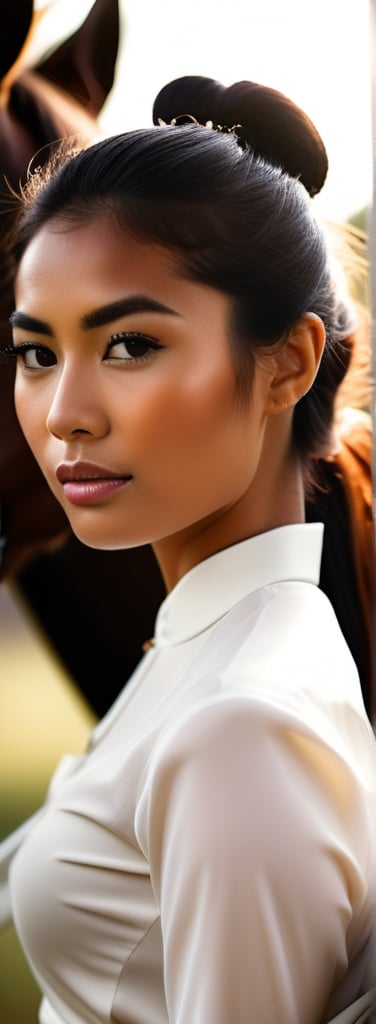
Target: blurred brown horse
pixel 72 590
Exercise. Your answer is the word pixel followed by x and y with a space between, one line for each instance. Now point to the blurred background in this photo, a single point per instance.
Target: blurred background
pixel 319 55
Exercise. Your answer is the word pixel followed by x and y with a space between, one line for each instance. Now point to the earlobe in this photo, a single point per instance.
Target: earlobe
pixel 296 363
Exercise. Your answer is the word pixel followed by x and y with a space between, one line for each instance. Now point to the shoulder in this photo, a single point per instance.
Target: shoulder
pixel 275 668
pixel 274 718
pixel 236 753
pixel 239 785
pixel 290 650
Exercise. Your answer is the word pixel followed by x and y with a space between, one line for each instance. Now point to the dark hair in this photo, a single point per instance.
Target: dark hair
pixel 230 203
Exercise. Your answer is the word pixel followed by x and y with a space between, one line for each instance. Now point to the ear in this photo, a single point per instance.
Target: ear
pixel 296 363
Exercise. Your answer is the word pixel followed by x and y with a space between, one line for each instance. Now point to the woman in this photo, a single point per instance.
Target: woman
pixel 178 341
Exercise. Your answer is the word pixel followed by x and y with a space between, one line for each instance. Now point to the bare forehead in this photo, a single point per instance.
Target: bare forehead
pixel 101 272
pixel 98 253
pixel 99 235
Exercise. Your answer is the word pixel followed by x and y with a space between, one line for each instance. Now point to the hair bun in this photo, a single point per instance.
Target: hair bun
pixel 272 124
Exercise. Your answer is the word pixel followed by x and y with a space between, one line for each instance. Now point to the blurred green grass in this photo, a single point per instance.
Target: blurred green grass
pixel 41 718
pixel 19 993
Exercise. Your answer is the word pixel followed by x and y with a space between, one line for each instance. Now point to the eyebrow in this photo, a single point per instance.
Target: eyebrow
pixel 29 323
pixel 97 317
pixel 123 307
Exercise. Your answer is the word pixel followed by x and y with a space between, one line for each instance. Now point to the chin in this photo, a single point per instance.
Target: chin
pixel 101 540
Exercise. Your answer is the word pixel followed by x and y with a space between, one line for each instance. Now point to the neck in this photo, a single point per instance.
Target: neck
pixel 262 508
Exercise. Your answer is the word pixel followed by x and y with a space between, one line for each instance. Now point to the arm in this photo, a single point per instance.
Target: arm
pixel 243 822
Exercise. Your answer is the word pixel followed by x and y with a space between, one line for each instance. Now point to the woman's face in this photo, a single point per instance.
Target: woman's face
pixel 126 389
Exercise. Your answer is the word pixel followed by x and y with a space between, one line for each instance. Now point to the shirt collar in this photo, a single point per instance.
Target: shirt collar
pixel 214 586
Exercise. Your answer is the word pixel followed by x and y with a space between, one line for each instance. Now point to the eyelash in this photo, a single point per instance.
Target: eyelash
pixel 9 351
pixel 137 337
pixel 17 351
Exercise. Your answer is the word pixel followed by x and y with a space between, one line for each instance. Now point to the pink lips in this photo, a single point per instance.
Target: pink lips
pixel 85 483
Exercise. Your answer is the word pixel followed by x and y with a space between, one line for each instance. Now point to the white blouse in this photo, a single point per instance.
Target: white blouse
pixel 211 859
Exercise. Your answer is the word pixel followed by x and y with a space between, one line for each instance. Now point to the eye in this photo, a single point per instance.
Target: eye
pixel 130 346
pixel 33 357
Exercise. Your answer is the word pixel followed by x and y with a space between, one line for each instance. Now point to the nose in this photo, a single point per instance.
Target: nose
pixel 77 407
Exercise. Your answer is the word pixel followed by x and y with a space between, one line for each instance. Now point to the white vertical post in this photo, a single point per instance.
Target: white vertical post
pixel 372 291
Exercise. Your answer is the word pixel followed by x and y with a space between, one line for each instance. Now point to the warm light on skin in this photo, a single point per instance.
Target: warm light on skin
pixel 206 471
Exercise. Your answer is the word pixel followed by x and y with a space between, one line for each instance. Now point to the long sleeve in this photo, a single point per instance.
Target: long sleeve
pixel 254 832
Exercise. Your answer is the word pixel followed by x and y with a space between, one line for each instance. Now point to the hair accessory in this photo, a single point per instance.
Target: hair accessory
pixel 225 128
pixel 175 120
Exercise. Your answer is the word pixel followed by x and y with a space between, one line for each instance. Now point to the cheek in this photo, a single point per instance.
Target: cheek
pixel 21 403
pixel 193 429
pixel 31 414
pixel 181 406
